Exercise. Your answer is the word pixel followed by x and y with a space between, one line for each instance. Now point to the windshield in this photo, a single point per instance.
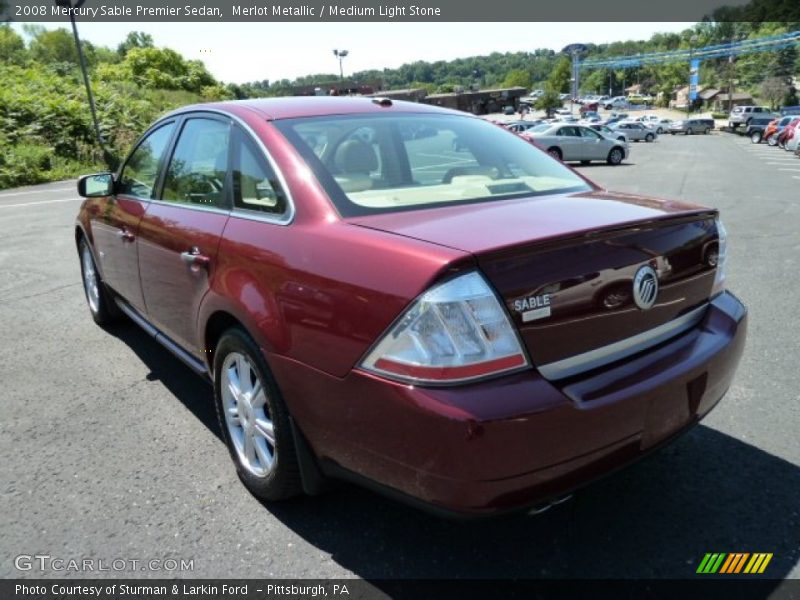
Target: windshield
pixel 388 163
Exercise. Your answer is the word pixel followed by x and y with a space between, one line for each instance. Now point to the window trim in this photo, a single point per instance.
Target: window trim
pixel 177 116
pixel 161 181
pixel 288 216
pixel 240 138
pixel 160 168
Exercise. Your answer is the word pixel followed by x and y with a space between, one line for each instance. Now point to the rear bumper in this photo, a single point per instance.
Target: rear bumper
pixel 518 440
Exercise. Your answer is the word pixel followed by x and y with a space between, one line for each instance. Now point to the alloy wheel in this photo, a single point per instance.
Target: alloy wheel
pixel 91 283
pixel 247 417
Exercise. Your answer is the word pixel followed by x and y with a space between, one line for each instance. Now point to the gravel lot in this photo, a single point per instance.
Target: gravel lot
pixel 110 448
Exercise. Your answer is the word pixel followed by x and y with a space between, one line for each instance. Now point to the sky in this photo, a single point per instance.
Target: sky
pixel 242 52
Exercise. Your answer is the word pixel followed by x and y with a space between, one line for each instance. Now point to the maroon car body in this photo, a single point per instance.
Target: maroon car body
pixel 600 383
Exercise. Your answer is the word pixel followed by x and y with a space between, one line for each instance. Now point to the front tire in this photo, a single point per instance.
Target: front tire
pixel 772 140
pixel 254 419
pixel 615 156
pixel 649 138
pixel 100 301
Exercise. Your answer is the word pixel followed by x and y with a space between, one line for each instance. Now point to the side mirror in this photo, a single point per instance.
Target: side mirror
pixel 96 186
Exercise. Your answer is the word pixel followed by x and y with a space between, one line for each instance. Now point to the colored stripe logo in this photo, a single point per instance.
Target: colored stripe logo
pixel 734 563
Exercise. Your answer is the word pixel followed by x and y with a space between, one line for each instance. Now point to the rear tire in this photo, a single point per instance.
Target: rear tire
pixel 772 140
pixel 100 300
pixel 555 153
pixel 649 138
pixel 254 419
pixel 755 137
pixel 615 156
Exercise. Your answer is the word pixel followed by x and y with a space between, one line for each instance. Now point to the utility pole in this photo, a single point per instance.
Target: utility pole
pixel 84 71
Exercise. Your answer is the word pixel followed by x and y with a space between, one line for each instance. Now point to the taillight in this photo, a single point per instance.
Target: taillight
pixel 721 258
pixel 455 332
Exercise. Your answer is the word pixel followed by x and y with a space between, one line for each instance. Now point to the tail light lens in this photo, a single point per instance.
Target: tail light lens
pixel 455 332
pixel 722 255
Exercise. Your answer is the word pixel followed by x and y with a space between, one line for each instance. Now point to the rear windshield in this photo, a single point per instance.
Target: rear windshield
pixel 388 163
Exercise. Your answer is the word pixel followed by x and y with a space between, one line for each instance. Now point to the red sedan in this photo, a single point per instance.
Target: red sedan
pixel 411 298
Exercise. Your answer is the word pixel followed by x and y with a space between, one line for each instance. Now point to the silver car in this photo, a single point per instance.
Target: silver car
pixel 634 131
pixel 575 142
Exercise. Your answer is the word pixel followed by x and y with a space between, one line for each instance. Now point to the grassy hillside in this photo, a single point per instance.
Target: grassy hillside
pixel 46 131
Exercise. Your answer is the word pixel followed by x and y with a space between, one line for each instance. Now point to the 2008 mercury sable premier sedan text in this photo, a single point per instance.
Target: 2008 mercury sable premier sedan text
pixel 412 298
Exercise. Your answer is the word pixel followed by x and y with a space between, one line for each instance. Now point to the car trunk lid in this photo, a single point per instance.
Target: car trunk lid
pixel 565 267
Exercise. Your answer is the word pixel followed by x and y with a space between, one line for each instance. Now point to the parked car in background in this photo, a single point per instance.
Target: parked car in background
pixel 327 267
pixel 689 126
pixel 616 102
pixel 608 132
pixel 578 143
pixel 793 141
pixel 757 128
pixel 590 107
pixel 740 115
pixel 787 132
pixel 518 126
pixel 654 122
pixel 774 129
pixel 634 131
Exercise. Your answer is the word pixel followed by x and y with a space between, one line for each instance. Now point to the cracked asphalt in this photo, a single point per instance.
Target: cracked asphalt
pixel 110 448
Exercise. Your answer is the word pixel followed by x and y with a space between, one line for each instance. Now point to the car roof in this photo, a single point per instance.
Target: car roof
pixel 315 106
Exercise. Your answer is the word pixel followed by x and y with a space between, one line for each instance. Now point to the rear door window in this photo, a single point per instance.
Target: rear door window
pixel 255 184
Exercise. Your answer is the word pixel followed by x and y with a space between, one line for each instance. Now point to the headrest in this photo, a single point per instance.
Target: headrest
pixel 355 156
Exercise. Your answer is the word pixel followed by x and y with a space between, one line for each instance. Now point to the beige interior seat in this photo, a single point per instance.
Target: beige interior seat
pixel 354 161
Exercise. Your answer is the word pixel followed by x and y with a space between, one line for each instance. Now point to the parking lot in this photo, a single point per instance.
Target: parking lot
pixel 111 447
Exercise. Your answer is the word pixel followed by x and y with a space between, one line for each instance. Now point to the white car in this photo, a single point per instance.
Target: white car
pixel 617 102
pixel 635 131
pixel 575 142
pixel 654 122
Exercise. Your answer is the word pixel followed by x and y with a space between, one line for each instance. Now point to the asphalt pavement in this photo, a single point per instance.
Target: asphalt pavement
pixel 110 447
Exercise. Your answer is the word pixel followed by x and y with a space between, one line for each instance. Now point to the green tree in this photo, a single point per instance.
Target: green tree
pixel 135 39
pixel 12 48
pixel 58 46
pixel 560 77
pixel 518 78
pixel 549 101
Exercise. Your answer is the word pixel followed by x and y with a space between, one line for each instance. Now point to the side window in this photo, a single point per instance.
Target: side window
pixel 255 186
pixel 590 133
pixel 199 165
pixel 140 172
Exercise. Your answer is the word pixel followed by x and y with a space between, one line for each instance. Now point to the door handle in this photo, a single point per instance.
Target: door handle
pixel 193 257
pixel 125 235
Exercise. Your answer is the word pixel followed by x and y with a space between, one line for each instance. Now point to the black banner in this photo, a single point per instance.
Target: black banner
pixel 732 588
pixel 390 10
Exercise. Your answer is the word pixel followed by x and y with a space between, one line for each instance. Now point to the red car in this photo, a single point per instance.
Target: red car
pixel 787 133
pixel 473 330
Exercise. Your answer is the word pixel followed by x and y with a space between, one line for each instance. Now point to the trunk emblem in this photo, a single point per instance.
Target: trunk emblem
pixel 645 287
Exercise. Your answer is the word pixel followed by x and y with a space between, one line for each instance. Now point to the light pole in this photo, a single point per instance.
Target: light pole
pixel 575 51
pixel 340 54
pixel 692 95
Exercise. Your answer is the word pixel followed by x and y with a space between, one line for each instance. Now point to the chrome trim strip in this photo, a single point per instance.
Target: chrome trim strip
pixel 134 316
pixel 190 206
pixel 598 357
pixel 288 216
pixel 190 361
